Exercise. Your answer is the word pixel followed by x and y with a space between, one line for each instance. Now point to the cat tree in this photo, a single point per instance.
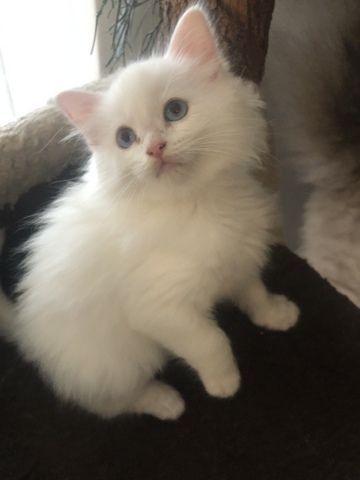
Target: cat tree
pixel 34 149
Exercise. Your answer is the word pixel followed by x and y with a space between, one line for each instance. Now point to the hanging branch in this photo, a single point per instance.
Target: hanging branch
pixel 122 28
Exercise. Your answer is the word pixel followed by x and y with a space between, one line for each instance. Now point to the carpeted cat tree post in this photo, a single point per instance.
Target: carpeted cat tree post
pixel 33 149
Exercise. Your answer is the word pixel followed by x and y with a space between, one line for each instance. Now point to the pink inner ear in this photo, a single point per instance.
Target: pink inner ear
pixel 78 105
pixel 193 38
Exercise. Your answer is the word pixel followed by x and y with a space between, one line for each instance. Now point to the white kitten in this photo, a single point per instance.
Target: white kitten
pixel 167 220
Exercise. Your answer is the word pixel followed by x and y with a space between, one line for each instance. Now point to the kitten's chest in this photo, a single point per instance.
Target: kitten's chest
pixel 205 237
pixel 200 254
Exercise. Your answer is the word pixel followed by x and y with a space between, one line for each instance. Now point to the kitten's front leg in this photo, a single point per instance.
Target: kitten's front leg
pixel 265 309
pixel 202 344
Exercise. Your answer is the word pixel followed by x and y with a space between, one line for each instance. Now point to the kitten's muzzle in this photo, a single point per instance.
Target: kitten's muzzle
pixel 156 149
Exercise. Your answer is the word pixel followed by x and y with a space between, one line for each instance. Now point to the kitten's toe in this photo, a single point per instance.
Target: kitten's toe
pixel 281 314
pixel 225 385
pixel 170 406
pixel 161 401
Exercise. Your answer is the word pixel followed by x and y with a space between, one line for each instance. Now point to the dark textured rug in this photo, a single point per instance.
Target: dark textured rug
pixel 297 416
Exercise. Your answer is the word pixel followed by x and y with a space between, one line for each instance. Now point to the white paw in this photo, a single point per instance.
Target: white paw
pixel 280 314
pixel 171 406
pixel 225 385
pixel 161 401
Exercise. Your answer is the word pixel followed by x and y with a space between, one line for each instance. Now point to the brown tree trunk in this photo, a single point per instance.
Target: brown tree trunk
pixel 242 27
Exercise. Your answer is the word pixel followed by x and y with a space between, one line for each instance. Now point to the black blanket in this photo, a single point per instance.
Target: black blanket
pixel 297 416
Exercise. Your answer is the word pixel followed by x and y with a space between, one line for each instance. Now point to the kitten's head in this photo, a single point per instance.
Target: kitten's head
pixel 171 122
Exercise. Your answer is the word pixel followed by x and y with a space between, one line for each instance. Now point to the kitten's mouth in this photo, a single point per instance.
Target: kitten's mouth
pixel 165 166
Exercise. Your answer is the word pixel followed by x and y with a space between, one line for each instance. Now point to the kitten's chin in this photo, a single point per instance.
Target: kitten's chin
pixel 167 168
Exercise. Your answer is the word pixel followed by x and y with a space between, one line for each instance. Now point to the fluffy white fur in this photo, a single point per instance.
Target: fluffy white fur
pixel 130 261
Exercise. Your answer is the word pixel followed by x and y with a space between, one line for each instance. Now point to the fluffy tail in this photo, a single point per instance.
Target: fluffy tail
pixel 6 306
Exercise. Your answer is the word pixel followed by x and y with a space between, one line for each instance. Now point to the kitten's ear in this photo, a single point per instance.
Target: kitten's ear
pixel 78 106
pixel 193 38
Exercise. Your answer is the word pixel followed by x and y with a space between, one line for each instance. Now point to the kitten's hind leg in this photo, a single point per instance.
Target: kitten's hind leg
pixel 267 310
pixel 159 400
pixel 155 398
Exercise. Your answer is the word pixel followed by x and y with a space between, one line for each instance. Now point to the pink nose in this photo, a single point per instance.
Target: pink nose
pixel 156 149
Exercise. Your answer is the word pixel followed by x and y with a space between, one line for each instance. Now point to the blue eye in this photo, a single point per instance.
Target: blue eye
pixel 125 137
pixel 175 109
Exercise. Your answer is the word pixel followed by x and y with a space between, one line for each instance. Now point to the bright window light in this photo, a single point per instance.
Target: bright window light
pixel 45 47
